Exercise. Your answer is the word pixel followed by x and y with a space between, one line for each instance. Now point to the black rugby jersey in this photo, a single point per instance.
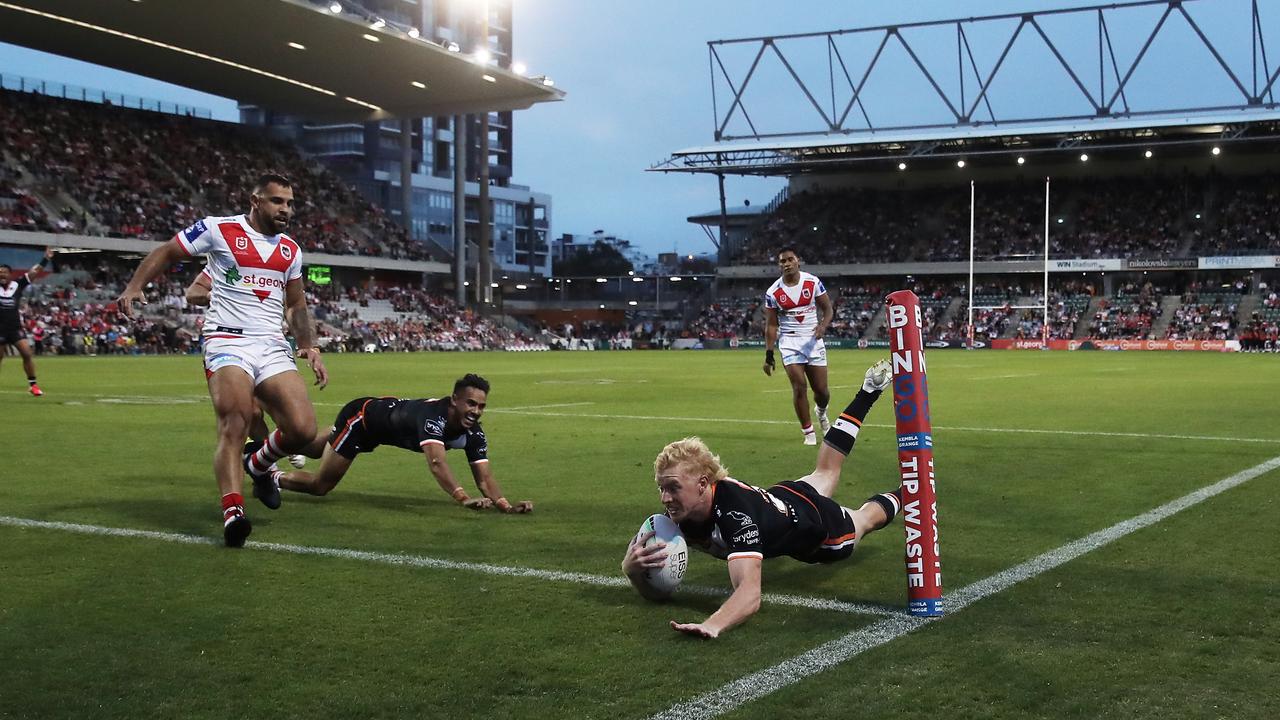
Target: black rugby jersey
pixel 747 521
pixel 412 424
pixel 10 295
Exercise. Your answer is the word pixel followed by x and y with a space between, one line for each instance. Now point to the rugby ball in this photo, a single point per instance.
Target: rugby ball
pixel 667 578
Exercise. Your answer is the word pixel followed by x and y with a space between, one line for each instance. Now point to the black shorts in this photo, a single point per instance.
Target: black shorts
pixel 841 537
pixel 11 335
pixel 348 437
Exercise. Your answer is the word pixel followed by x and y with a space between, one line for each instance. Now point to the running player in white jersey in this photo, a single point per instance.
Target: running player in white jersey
pixel 797 312
pixel 198 293
pixel 257 274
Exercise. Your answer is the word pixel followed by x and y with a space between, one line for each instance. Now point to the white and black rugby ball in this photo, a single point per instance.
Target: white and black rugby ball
pixel 666 579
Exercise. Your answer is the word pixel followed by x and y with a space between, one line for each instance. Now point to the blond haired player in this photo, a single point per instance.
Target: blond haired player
pixel 797 312
pixel 743 524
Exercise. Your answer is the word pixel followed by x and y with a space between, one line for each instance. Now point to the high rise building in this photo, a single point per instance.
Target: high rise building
pixel 368 154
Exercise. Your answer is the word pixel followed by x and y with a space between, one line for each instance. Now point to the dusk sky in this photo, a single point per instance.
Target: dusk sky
pixel 638 84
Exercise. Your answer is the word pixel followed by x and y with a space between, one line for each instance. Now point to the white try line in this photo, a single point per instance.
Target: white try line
pixel 421 561
pixel 761 683
pixel 752 421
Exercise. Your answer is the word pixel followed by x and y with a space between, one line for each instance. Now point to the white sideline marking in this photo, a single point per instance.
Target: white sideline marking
pixel 554 405
pixel 829 387
pixel 185 400
pixel 420 561
pixel 1004 377
pixel 751 421
pixel 788 672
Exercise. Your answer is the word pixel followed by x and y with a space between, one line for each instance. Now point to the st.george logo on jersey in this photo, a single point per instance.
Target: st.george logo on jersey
pixel 807 292
pixel 285 252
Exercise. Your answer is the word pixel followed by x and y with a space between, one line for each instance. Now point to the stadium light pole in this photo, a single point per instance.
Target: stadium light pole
pixel 485 265
pixel 460 209
pixel 406 174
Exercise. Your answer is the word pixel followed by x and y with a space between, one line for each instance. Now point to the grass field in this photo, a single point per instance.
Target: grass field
pixel 1033 451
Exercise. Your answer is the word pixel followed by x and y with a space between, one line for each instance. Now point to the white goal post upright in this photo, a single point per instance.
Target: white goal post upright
pixel 1044 325
pixel 972 208
pixel 1043 305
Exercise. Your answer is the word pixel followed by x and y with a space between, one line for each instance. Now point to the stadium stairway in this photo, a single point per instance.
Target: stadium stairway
pixel 1169 304
pixel 1249 303
pixel 1086 317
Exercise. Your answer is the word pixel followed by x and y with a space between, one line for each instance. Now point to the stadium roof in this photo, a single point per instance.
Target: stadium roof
pixel 846 151
pixel 241 49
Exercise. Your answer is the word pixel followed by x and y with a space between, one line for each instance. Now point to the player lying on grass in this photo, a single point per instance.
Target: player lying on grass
pixel 198 293
pixel 744 524
pixel 428 426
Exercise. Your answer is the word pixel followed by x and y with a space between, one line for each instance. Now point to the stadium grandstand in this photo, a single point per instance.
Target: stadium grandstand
pixel 1161 221
pixel 1145 214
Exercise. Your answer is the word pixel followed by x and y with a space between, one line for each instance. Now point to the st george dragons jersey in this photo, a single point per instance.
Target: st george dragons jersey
pixel 249 271
pixel 797 305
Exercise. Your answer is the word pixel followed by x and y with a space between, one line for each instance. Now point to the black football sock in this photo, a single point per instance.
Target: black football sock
pixel 844 430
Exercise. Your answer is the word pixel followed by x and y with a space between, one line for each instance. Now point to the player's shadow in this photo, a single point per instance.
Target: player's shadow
pixel 374 501
pixel 161 514
pixel 682 604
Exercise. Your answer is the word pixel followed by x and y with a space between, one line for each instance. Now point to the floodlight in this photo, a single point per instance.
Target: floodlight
pixel 959 163
pixel 519 68
pixel 902 166
pixel 378 24
pixel 1022 160
pixel 1084 157
pixel 1147 154
pixel 1216 150
pixel 335 8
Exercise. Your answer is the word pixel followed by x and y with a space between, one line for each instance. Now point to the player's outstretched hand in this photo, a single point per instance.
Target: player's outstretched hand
pixel 317 365
pixel 640 557
pixel 479 503
pixel 127 298
pixel 695 629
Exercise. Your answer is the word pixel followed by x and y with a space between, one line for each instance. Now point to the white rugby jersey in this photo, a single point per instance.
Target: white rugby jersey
pixel 797 305
pixel 249 271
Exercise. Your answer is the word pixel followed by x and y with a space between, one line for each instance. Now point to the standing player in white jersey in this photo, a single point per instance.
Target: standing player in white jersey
pixel 257 274
pixel 797 312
